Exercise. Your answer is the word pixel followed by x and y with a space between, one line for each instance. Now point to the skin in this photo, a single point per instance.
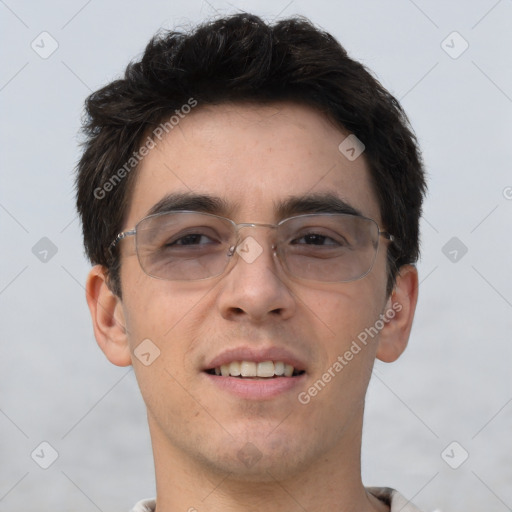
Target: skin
pixel 252 156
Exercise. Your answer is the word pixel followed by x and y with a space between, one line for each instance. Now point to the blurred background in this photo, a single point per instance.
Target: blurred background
pixel 438 422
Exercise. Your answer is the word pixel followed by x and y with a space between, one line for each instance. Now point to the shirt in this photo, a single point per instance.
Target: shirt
pixel 390 497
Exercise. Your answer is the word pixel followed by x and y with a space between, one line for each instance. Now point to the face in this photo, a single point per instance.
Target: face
pixel 252 158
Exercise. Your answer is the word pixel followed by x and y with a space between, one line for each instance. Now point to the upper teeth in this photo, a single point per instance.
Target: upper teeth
pixel 252 369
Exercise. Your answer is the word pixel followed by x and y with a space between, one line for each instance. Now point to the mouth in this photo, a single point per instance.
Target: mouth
pixel 251 373
pixel 255 370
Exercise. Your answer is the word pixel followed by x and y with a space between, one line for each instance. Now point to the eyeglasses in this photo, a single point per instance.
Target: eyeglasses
pixel 188 246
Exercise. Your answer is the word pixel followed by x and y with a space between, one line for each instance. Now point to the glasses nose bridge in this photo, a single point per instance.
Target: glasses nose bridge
pixel 255 225
pixel 242 225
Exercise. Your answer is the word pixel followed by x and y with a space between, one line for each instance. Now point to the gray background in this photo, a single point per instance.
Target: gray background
pixel 454 381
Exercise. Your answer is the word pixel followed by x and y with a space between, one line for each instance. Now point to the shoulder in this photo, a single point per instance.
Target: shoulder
pixel 393 498
pixel 144 506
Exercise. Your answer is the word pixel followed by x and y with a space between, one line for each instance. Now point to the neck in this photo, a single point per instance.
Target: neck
pixel 332 482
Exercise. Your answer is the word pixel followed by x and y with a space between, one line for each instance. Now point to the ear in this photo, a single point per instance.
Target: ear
pixel 107 318
pixel 399 314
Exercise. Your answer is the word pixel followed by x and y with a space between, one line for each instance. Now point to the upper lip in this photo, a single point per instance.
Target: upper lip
pixel 257 356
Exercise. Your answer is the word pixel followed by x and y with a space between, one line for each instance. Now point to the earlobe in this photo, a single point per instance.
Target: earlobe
pixel 107 318
pixel 399 310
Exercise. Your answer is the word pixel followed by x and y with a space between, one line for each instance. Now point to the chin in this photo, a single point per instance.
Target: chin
pixel 266 469
pixel 259 459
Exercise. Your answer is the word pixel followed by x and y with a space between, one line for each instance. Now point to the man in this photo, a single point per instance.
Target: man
pixel 250 198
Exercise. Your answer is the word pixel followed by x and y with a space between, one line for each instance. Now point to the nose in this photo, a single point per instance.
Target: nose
pixel 255 288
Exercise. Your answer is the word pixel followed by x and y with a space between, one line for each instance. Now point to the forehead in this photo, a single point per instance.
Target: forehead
pixel 253 158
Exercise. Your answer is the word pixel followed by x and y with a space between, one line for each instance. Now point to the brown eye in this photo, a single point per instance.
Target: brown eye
pixel 315 239
pixel 191 239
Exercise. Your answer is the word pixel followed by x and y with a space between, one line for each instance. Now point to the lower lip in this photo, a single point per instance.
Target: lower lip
pixel 256 389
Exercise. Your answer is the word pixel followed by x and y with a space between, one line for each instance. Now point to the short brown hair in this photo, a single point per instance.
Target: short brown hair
pixel 242 58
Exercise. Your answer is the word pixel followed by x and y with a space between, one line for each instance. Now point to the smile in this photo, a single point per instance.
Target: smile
pixel 255 370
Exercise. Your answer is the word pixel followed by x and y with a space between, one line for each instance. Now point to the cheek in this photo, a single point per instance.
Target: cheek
pixel 145 301
pixel 351 343
pixel 347 309
pixel 157 320
pixel 162 311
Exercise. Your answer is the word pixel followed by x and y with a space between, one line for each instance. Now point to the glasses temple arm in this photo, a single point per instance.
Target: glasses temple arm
pixel 118 238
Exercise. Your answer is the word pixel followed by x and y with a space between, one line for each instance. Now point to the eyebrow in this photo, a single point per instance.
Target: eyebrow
pixel 189 201
pixel 293 205
pixel 314 203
